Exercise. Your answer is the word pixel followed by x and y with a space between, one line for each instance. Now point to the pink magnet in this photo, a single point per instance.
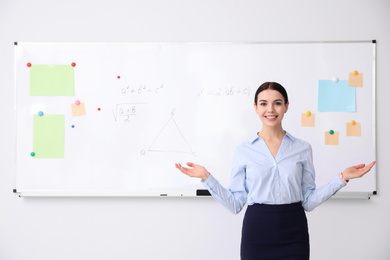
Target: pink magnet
pixel 77 102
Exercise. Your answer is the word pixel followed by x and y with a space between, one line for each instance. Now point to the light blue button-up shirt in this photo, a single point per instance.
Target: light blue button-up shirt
pixel 258 177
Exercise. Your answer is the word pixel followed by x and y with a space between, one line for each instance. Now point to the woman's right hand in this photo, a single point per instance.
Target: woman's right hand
pixel 196 170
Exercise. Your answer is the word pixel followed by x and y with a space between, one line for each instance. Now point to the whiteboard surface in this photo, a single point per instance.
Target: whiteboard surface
pixel 179 102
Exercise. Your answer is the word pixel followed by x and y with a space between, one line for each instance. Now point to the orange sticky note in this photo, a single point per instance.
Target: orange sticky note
pixel 355 80
pixel 332 139
pixel 353 130
pixel 308 120
pixel 78 110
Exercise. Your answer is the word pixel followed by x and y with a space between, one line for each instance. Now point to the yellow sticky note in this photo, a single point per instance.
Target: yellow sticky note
pixel 308 120
pixel 78 110
pixel 355 80
pixel 353 130
pixel 332 139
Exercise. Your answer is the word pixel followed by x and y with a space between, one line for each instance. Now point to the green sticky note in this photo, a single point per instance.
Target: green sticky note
pixel 49 136
pixel 51 80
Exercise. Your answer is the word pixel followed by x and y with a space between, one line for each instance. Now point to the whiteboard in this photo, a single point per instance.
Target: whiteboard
pixel 150 105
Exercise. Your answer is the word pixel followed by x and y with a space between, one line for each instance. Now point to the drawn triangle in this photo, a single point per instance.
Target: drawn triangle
pixel 170 139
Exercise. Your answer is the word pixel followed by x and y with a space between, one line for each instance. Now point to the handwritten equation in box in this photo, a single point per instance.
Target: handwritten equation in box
pixel 124 112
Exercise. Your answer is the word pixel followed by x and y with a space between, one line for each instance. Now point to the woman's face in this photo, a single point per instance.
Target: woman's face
pixel 271 107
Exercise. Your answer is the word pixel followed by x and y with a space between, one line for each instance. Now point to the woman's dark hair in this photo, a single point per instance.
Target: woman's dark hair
pixel 274 86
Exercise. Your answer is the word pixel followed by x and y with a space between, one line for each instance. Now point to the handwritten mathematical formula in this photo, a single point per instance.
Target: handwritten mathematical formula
pixel 124 112
pixel 141 89
pixel 224 92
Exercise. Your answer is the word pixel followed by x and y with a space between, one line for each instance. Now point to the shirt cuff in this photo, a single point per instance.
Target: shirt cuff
pixel 210 182
pixel 342 178
pixel 337 183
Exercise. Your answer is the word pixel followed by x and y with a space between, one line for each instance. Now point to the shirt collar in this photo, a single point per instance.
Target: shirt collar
pixel 256 137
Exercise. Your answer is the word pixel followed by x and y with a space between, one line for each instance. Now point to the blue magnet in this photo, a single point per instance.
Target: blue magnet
pixel 40 113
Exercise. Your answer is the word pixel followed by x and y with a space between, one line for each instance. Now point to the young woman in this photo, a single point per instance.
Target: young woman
pixel 273 173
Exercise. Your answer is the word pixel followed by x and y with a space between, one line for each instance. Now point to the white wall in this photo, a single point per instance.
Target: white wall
pixel 177 228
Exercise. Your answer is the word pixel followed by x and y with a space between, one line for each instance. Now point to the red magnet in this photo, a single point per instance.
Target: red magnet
pixel 29 64
pixel 73 64
pixel 119 77
pixel 98 109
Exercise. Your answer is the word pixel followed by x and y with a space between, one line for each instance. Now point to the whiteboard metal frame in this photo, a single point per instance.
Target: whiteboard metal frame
pixel 121 194
pixel 105 193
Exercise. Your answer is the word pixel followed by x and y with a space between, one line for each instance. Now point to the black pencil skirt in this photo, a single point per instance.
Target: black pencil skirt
pixel 275 232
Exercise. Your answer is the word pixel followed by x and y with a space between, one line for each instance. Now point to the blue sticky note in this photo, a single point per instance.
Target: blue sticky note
pixel 336 96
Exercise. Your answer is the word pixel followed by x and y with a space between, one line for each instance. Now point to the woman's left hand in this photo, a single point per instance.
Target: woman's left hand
pixel 357 171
